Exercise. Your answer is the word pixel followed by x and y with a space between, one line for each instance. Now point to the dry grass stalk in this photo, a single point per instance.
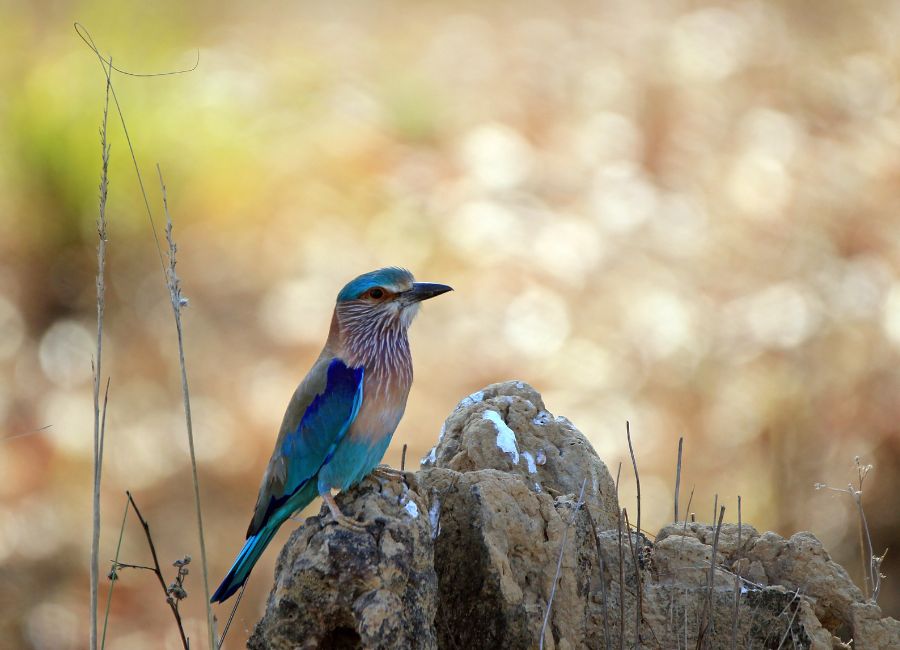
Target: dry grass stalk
pixel 178 301
pixel 621 581
pixel 562 548
pixel 604 602
pixel 678 476
pixel 737 582
pixel 702 635
pixel 638 610
pixel 99 423
pixel 637 476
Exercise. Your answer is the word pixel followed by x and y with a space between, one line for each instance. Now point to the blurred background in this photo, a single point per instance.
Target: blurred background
pixel 680 214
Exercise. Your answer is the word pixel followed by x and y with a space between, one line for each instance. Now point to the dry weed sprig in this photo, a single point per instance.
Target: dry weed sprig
pixel 99 423
pixel 113 576
pixel 871 567
pixel 562 548
pixel 178 301
pixel 173 603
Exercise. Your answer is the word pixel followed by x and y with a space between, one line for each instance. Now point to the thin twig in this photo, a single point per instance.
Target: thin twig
pixel 637 572
pixel 25 433
pixel 125 565
pixel 604 602
pixel 237 601
pixel 178 301
pixel 562 548
pixel 791 621
pixel 737 582
pixel 621 584
pixel 85 35
pixel 403 459
pixel 637 476
pixel 113 577
pixel 97 366
pixel 159 576
pixel 678 476
pixel 690 500
pixel 707 607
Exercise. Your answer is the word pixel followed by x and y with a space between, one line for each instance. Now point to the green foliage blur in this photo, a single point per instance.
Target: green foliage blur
pixel 680 214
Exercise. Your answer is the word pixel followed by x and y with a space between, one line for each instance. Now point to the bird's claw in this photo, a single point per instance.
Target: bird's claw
pixel 339 517
pixel 348 522
pixel 386 473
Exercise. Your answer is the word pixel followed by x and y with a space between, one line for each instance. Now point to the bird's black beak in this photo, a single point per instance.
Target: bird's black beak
pixel 424 290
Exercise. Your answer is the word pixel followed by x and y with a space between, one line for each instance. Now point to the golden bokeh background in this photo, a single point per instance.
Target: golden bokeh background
pixel 681 214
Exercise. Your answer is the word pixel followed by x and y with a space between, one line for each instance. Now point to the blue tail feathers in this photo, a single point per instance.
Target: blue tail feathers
pixel 246 559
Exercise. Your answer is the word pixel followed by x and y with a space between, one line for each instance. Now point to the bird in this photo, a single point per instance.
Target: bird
pixel 340 419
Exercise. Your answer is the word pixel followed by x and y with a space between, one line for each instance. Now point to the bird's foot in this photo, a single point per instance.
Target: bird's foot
pixel 387 473
pixel 339 517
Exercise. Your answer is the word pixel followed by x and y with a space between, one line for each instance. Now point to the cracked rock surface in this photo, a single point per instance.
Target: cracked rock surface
pixel 463 554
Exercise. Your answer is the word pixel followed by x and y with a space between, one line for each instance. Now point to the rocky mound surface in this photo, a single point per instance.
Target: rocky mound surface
pixel 464 553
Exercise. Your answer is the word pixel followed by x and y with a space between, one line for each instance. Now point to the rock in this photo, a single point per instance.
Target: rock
pixel 498 511
pixel 340 588
pixel 506 427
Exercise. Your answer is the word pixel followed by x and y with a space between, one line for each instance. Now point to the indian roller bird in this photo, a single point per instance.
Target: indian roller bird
pixel 340 419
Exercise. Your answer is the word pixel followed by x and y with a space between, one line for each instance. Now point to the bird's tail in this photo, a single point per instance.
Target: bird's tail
pixel 240 570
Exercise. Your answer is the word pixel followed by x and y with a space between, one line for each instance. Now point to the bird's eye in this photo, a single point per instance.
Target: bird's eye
pixel 376 293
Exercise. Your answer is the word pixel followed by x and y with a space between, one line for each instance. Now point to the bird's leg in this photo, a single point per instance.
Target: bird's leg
pixel 339 517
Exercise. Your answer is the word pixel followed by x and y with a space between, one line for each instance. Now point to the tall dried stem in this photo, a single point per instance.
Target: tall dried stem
pixel 179 301
pixel 99 424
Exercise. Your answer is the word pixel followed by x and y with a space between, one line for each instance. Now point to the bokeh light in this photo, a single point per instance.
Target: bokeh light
pixel 682 216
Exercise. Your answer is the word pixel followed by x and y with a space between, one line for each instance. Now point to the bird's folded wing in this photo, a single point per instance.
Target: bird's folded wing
pixel 305 448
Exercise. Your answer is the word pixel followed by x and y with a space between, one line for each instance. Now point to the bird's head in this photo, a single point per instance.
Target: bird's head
pixel 388 296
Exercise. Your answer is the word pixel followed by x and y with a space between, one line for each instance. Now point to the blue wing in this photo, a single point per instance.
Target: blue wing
pixel 301 452
pixel 305 449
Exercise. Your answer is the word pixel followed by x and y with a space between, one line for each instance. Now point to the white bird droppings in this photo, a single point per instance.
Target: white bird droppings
pixel 506 437
pixel 529 460
pixel 412 509
pixel 474 398
pixel 542 418
pixel 431 457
